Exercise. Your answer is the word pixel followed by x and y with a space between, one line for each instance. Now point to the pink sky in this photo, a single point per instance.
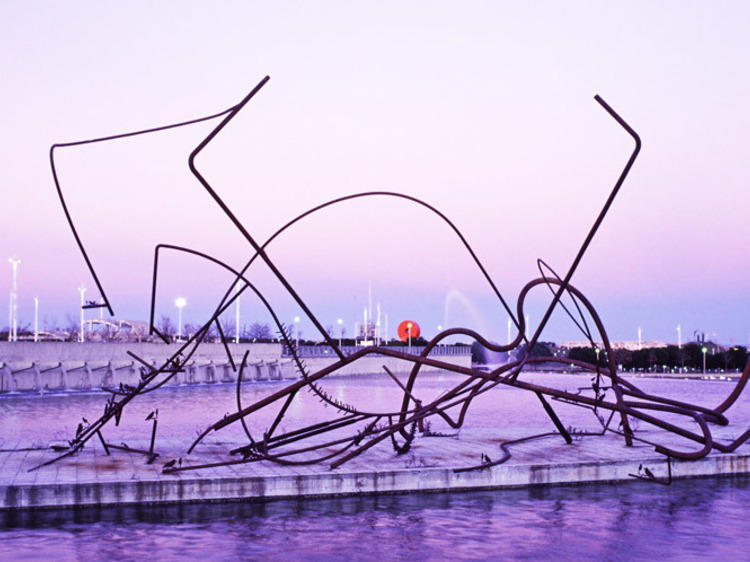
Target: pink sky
pixel 485 110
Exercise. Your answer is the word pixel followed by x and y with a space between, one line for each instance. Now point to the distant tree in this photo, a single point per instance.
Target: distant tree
pixel 693 355
pixel 165 326
pixel 258 331
pixel 228 327
pixel 586 354
pixel 673 356
pixel 736 357
pixel 623 357
pixel 661 356
pixel 540 349
pixel 641 358
pixel 72 327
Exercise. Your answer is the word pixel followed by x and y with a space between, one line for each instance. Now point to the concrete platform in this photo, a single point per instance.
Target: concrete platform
pixel 92 478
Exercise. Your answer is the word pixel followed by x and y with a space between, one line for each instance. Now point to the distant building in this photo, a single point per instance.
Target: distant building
pixel 629 345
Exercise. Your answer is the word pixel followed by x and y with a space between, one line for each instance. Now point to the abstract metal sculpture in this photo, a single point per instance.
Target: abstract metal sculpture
pixel 351 431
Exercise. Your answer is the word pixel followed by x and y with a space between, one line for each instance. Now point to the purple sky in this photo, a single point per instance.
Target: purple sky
pixel 485 110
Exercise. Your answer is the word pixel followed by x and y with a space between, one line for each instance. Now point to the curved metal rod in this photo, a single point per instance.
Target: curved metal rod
pixel 103 139
pixel 462 394
pixel 732 398
pixel 222 307
pixel 541 265
pixel 597 222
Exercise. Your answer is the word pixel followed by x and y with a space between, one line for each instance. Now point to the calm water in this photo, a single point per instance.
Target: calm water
pixel 697 519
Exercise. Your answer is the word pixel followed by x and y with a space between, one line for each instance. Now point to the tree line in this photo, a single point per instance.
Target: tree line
pixel 671 357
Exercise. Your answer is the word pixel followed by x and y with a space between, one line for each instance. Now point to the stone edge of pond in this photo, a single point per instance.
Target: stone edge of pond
pixel 173 489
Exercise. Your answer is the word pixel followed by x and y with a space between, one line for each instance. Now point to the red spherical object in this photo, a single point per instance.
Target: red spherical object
pixel 408 329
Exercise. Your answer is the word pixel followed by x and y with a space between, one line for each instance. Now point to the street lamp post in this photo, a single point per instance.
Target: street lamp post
pixel 704 349
pixel 81 290
pixel 36 318
pixel 340 322
pixel 408 331
pixel 13 313
pixel 296 331
pixel 237 318
pixel 179 303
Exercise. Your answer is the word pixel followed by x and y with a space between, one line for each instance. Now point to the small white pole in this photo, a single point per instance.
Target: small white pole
pixel 179 302
pixel 82 290
pixel 237 319
pixel 296 329
pixel 13 323
pixel 36 318
pixel 377 328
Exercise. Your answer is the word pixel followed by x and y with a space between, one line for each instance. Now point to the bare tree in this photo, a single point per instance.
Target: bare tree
pixel 258 331
pixel 165 326
pixel 72 328
pixel 227 326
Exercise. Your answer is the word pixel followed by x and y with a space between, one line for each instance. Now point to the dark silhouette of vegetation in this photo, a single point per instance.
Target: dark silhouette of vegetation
pixel 669 358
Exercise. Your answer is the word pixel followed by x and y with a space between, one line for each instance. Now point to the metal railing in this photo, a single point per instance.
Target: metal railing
pixel 327 351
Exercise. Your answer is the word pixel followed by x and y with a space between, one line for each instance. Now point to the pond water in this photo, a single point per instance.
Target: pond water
pixel 695 519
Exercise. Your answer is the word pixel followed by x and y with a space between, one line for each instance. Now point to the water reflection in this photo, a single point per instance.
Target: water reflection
pixel 31 419
pixel 690 519
pixel 698 518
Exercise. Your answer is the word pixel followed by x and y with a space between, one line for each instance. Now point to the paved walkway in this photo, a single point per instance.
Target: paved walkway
pixel 93 478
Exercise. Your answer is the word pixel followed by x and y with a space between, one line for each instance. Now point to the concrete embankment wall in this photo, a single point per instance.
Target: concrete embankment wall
pixel 70 366
pixel 50 352
pixel 65 366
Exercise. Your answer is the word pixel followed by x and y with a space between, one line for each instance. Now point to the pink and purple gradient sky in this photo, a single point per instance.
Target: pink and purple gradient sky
pixel 484 109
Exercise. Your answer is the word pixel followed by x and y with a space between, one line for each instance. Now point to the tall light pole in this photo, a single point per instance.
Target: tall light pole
pixel 365 330
pixel 81 290
pixel 237 317
pixel 180 304
pixel 704 349
pixel 13 315
pixel 408 331
pixel 679 336
pixel 509 327
pixel 640 343
pixel 36 318
pixel 340 322
pixel 296 331
pixel 378 335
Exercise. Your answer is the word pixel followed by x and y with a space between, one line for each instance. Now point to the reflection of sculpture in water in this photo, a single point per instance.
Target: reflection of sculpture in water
pixel 351 431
